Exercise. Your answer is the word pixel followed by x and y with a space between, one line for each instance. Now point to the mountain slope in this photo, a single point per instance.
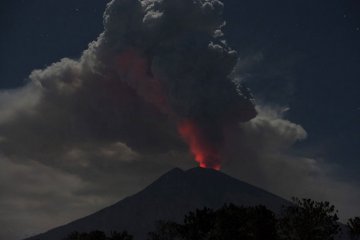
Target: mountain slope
pixel 169 198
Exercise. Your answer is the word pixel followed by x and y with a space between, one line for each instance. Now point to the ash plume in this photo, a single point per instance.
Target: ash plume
pixel 174 55
pixel 156 77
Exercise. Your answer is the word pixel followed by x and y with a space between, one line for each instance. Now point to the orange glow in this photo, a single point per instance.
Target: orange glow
pixel 205 152
pixel 135 71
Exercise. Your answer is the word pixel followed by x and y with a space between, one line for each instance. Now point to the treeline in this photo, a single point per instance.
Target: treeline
pixel 305 219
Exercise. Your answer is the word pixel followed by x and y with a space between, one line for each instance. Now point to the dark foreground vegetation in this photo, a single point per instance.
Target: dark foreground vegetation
pixel 304 220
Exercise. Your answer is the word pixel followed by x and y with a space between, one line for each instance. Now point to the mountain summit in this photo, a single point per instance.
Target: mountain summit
pixel 169 198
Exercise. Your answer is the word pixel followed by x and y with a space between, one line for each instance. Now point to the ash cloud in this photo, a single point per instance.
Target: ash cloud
pixel 156 63
pixel 270 159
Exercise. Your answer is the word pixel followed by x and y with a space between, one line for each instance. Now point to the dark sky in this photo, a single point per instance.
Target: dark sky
pixel 311 63
pixel 299 55
pixel 37 33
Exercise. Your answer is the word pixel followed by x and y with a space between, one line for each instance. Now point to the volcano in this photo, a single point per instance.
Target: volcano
pixel 169 198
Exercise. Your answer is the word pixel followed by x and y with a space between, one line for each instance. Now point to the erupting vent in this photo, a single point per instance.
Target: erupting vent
pixel 204 151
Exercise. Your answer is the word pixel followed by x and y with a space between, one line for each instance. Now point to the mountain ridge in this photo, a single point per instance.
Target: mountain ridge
pixel 169 197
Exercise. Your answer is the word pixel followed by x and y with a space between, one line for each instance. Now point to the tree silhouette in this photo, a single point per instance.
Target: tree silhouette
pixel 166 230
pixel 246 223
pixel 74 236
pixel 198 225
pixel 309 220
pixel 303 220
pixel 354 227
pixel 228 222
pixel 120 236
pixel 99 235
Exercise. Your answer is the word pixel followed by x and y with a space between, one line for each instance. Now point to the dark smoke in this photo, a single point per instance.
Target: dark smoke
pixel 173 54
pixel 159 67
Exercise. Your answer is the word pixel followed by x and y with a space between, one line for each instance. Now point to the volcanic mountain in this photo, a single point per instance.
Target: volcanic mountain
pixel 169 198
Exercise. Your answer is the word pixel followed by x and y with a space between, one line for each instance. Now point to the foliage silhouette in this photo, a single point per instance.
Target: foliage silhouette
pixel 228 222
pixel 308 220
pixel 99 235
pixel 120 236
pixel 354 227
pixel 166 230
pixel 303 220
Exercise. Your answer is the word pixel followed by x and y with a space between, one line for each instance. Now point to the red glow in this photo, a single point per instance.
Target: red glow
pixel 205 153
pixel 134 69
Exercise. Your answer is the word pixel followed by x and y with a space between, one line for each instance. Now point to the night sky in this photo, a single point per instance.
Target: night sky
pixel 301 58
pixel 311 64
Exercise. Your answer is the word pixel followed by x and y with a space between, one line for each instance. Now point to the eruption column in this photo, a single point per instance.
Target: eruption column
pixel 204 151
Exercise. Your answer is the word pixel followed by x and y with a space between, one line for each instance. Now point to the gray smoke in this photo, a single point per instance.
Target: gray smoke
pixel 155 64
pixel 172 53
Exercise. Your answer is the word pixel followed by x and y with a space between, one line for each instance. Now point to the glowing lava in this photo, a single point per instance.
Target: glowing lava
pixel 204 151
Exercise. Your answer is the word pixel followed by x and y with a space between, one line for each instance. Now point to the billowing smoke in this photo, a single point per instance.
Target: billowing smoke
pixel 155 78
pixel 174 56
